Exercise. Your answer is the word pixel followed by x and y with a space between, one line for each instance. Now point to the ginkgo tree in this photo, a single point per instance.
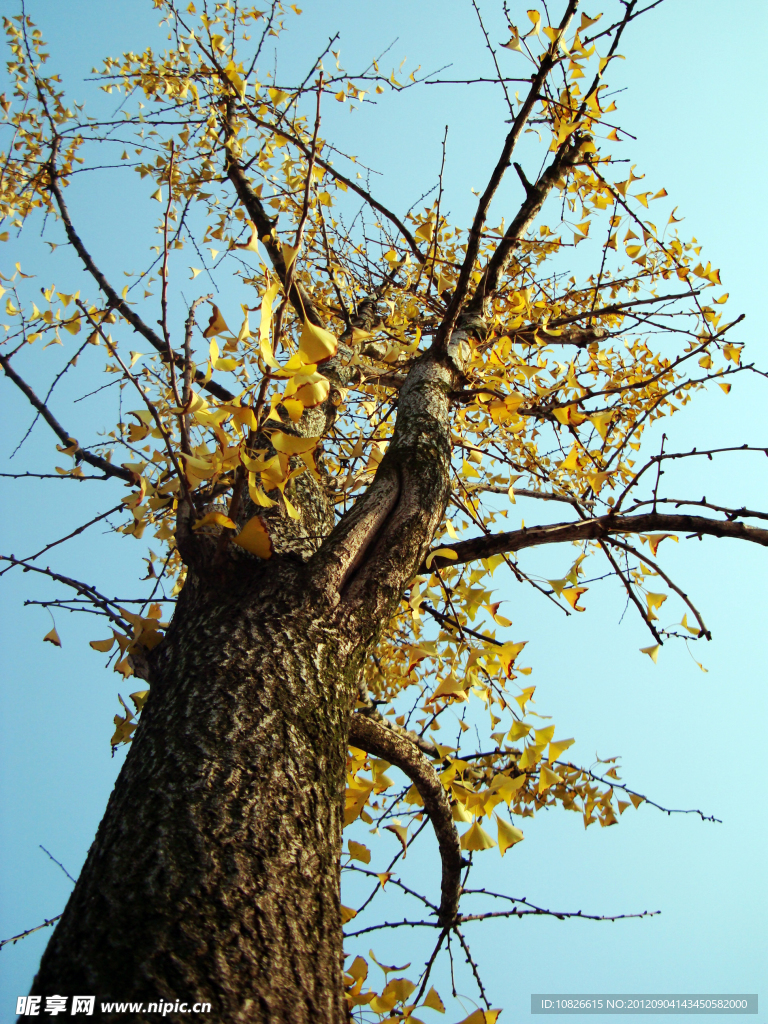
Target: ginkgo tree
pixel 316 473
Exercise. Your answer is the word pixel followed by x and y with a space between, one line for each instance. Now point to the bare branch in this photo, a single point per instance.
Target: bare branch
pixel 80 454
pixel 532 909
pixel 89 593
pixel 22 935
pixel 69 536
pixel 119 304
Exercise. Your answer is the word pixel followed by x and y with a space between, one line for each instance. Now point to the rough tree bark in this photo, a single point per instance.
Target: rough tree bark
pixel 215 872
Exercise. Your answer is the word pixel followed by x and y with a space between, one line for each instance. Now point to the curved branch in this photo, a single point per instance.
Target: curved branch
pixel 401 752
pixel 367 707
pixel 596 529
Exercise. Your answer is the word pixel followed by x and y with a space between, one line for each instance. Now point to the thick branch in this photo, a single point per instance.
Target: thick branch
pixel 370 710
pixel 505 158
pixel 299 296
pixel 596 529
pixel 401 752
pixel 567 156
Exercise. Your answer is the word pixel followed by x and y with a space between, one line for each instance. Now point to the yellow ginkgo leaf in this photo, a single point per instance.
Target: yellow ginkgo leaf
pixel 460 813
pixel 507 787
pixel 288 444
pixel 216 325
pixel 572 595
pixel 569 415
pixel 401 831
pixel 548 778
pixel 433 1001
pixel 290 508
pixel 347 913
pixel 518 731
pixel 289 254
pixel 481 1017
pixel 508 835
pixel 545 735
pixel 214 519
pixel 441 553
pixel 531 755
pixel 252 245
pixel 254 538
pixel 601 421
pixel 586 21
pixel 448 686
pixel 102 645
pixel 652 652
pixel 426 231
pixel 294 408
pixel 508 653
pixel 525 696
pixel 200 467
pixel 231 72
pixel 195 272
pixel 315 392
pixel 476 839
pixel 358 851
pixel 53 638
pixel 316 344
pixel 655 539
pixel 139 698
pixel 358 969
pixel 278 96
pixel 358 335
pixel 265 346
pixel 258 497
pixel 557 748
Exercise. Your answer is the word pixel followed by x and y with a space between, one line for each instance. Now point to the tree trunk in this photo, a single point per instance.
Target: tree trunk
pixel 215 873
pixel 214 876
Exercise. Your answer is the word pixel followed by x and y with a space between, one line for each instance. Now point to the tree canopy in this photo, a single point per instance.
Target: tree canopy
pixel 270 346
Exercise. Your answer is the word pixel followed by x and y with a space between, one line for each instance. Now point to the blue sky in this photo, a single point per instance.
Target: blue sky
pixel 694 75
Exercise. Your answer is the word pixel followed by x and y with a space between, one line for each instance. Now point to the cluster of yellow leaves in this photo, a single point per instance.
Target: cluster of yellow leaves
pixel 392 1002
pixel 559 393
pixel 547 412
